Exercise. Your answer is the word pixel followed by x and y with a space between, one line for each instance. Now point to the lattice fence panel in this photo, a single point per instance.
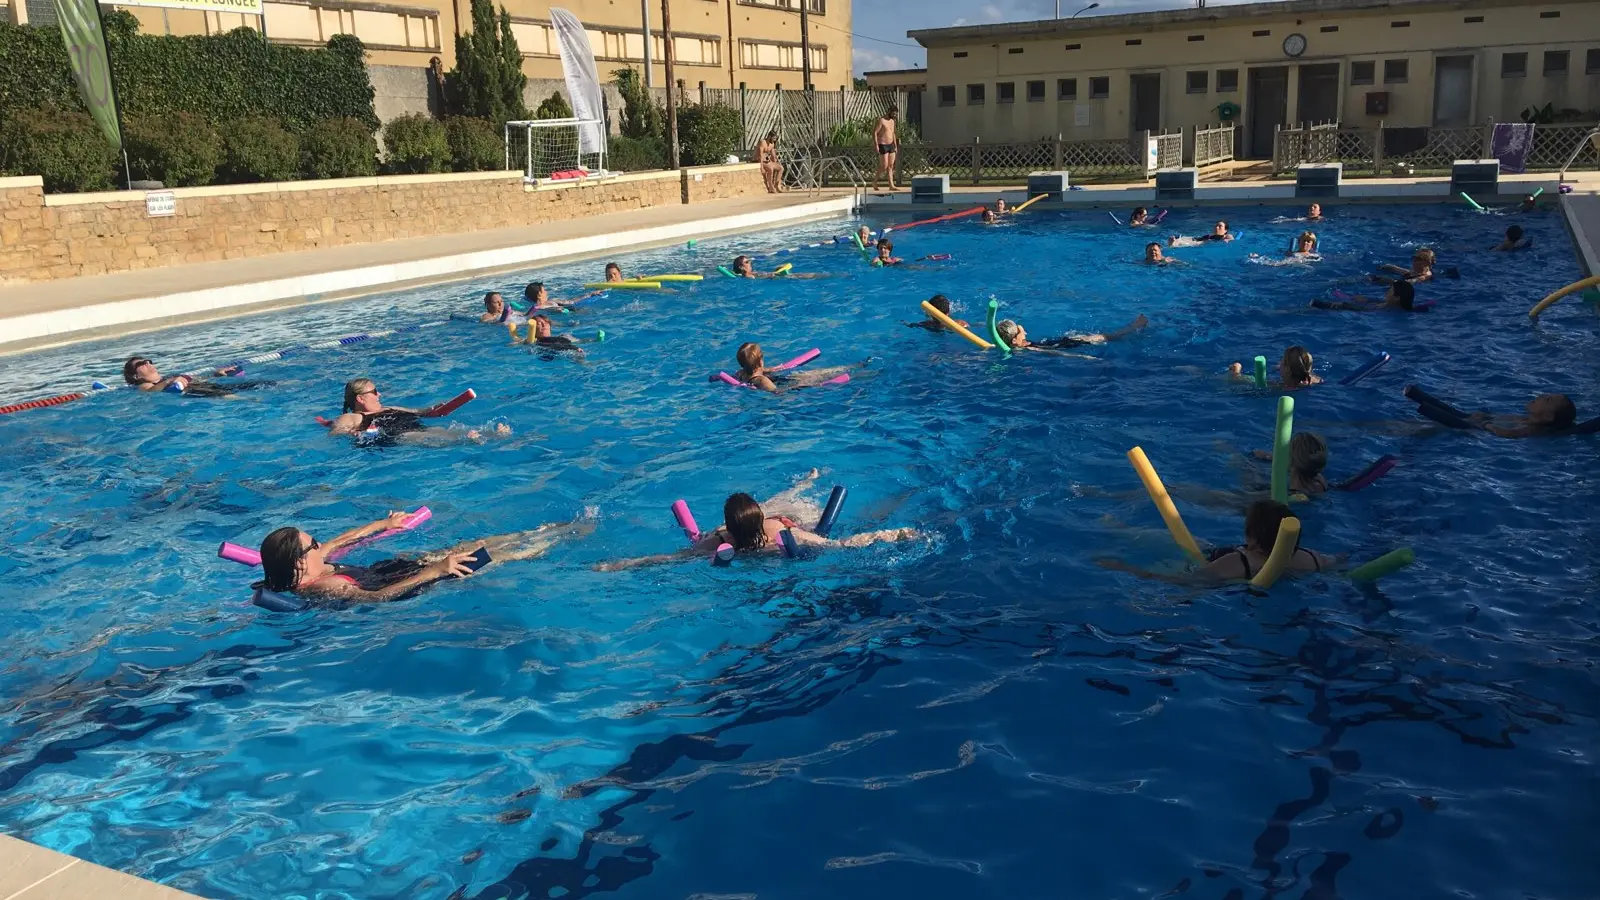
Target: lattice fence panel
pixel 1552 144
pixel 1169 150
pixel 1109 160
pixel 1444 147
pixel 1213 145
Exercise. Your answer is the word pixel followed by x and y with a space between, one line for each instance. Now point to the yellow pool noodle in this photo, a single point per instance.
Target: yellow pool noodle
pixel 1282 557
pixel 625 285
pixel 667 278
pixel 783 269
pixel 1029 203
pixel 1572 288
pixel 950 323
pixel 1164 505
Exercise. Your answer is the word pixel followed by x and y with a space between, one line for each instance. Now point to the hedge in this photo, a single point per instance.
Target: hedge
pixel 415 145
pixel 218 77
pixel 476 145
pixel 178 150
pixel 259 150
pixel 339 148
pixel 708 134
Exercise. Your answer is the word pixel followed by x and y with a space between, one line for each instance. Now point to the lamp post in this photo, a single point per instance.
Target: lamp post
pixel 1082 11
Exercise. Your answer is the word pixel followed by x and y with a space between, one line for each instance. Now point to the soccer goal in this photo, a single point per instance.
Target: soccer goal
pixel 546 149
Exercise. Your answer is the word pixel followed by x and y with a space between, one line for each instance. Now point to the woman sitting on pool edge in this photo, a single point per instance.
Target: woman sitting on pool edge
pixel 293 562
pixel 1294 369
pixel 747 525
pixel 1241 563
pixel 754 372
pixel 1016 337
pixel 364 409
pixel 1219 232
pixel 140 372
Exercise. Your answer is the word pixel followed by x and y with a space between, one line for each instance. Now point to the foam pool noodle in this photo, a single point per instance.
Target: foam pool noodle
pixel 1280 449
pixel 994 329
pixel 1390 562
pixel 1261 372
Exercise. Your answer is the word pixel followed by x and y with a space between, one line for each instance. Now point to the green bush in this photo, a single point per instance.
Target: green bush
pixel 65 148
pixel 636 154
pixel 416 144
pixel 339 148
pixel 554 107
pixel 475 144
pixel 707 135
pixel 487 81
pixel 178 149
pixel 641 117
pixel 259 149
pixel 221 77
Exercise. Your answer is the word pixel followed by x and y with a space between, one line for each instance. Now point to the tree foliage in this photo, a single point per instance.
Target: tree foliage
pixel 641 117
pixel 487 82
pixel 554 107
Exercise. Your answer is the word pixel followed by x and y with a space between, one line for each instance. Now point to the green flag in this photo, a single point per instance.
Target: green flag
pixel 86 46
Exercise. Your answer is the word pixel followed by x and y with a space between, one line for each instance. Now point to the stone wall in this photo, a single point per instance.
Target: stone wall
pixel 69 235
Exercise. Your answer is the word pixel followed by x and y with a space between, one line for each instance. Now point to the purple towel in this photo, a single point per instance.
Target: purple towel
pixel 1511 143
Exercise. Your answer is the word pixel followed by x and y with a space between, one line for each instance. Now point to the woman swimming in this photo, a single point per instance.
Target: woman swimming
pixel 1016 337
pixel 1421 268
pixel 1294 369
pixel 294 562
pixel 1243 562
pixel 1547 414
pixel 1219 232
pixel 753 527
pixel 364 410
pixel 139 372
pixel 754 372
pixel 539 334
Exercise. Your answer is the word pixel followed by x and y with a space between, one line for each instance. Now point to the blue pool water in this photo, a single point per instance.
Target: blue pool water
pixel 986 713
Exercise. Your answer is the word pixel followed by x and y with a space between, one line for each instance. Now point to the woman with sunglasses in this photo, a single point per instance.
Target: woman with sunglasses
pixel 365 412
pixel 294 562
pixel 140 372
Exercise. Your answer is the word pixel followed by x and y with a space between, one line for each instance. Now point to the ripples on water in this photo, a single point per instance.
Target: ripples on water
pixel 986 714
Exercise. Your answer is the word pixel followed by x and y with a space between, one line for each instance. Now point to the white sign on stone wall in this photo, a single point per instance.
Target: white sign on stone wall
pixel 160 203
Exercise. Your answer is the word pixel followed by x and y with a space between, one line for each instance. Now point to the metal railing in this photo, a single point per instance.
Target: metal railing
pixel 1115 160
pixel 1590 140
pixel 1213 145
pixel 1388 150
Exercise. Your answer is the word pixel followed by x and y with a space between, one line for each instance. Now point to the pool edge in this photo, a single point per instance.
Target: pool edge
pixel 31 872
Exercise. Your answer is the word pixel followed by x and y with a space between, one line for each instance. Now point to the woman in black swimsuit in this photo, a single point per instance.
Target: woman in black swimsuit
pixel 1219 232
pixel 1261 523
pixel 141 373
pixel 364 413
pixel 1016 337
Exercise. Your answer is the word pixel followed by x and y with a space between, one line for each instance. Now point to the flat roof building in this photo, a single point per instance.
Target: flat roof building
pixel 1401 62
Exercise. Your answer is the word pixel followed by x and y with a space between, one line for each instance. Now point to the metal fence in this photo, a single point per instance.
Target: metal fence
pixel 1113 160
pixel 802 118
pixel 1213 145
pixel 1389 150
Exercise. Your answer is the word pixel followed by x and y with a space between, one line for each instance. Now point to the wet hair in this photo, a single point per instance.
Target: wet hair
pixel 940 302
pixel 886 244
pixel 1566 412
pixel 533 289
pixel 1140 211
pixel 1221 222
pixel 1261 523
pixel 543 319
pixel 1308 454
pixel 1155 244
pixel 746 524
pixel 1404 292
pixel 1514 233
pixel 610 266
pixel 749 356
pixel 132 366
pixel 492 295
pixel 1425 255
pixel 281 555
pixel 353 388
pixel 1307 236
pixel 1297 360
pixel 1008 330
pixel 739 259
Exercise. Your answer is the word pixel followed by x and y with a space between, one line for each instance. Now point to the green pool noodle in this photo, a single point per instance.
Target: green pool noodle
pixel 1261 372
pixel 1471 201
pixel 1280 450
pixel 692 242
pixel 1390 562
pixel 724 270
pixel 857 238
pixel 600 335
pixel 1536 193
pixel 994 330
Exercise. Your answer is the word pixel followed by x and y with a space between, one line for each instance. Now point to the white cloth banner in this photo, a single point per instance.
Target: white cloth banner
pixel 583 82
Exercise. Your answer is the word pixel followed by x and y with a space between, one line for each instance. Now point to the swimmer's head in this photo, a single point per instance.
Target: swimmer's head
pixel 613 272
pixel 1514 233
pixel 284 554
pixel 1261 523
pixel 1140 212
pixel 1295 367
pixel 140 370
pixel 1010 332
pixel 1423 258
pixel 1152 252
pixel 535 292
pixel 1315 211
pixel 1220 228
pixel 1000 205
pixel 741 265
pixel 493 303
pixel 1552 411
pixel 772 137
pixel 865 234
pixel 361 395
pixel 989 218
pixel 1306 242
pixel 1404 293
pixel 746 524
pixel 541 326
pixel 885 249
pixel 1308 454
pixel 750 356
pixel 940 302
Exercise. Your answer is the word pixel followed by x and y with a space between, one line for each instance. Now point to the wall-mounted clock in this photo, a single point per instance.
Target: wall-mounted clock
pixel 1294 45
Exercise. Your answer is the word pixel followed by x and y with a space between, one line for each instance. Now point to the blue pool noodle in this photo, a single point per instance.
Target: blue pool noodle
pixel 1372 365
pixel 831 511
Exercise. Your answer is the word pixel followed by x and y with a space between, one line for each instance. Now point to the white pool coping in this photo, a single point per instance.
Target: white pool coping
pixel 31 331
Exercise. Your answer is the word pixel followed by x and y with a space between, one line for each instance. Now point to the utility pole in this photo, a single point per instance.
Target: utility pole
pixel 644 13
pixel 805 44
pixel 672 84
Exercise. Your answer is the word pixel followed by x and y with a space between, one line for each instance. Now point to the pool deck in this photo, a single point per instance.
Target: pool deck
pixel 50 313
pixel 30 872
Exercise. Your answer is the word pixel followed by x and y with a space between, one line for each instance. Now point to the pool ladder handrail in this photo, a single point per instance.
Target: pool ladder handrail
pixel 1592 137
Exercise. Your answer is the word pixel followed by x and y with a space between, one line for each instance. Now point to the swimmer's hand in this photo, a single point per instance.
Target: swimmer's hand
pixel 395 519
pixel 453 565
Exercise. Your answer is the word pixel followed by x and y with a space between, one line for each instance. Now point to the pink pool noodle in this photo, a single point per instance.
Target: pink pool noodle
pixel 800 360
pixel 238 554
pixel 842 378
pixel 248 557
pixel 725 378
pixel 680 512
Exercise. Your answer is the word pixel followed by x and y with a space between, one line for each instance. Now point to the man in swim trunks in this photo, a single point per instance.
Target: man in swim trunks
pixel 1513 241
pixel 1314 213
pixel 942 304
pixel 141 373
pixel 888 149
pixel 1000 206
pixel 1016 337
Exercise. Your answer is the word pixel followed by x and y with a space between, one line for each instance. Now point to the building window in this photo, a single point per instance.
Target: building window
pixel 1328 29
pixel 1035 91
pixel 773 55
pixel 960 54
pixel 1074 46
pixel 1013 49
pixel 1066 88
pixel 1591 62
pixel 1513 65
pixel 1394 70
pixel 1006 92
pixel 974 95
pixel 815 7
pixel 1100 87
pixel 1403 23
pixel 1472 20
pixel 1555 62
pixel 1267 33
pixel 1363 72
pixel 539 39
pixel 1199 82
pixel 1133 42
pixel 947 95
pixel 1227 80
pixel 1553 14
pixel 1196 37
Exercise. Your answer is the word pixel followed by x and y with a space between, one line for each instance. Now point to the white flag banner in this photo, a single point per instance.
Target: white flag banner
pixel 583 82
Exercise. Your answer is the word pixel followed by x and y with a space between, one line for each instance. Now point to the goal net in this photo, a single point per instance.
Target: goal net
pixel 548 149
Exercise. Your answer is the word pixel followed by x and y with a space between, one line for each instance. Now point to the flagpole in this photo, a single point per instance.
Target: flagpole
pixel 116 99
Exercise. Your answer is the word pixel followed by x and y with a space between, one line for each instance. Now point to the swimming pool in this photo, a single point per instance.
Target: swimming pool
pixel 986 713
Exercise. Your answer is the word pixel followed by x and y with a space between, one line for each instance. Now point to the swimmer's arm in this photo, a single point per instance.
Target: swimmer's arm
pixel 618 565
pixel 1391 267
pixel 454 564
pixel 762 382
pixel 346 423
pixel 1190 578
pixel 887 535
pixel 392 520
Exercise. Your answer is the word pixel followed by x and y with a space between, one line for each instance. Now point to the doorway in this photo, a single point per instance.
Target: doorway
pixel 1267 107
pixel 1145 91
pixel 1319 93
pixel 1452 91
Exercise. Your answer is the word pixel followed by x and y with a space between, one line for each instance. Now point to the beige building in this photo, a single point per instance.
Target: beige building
pixel 897 80
pixel 721 43
pixel 1401 62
